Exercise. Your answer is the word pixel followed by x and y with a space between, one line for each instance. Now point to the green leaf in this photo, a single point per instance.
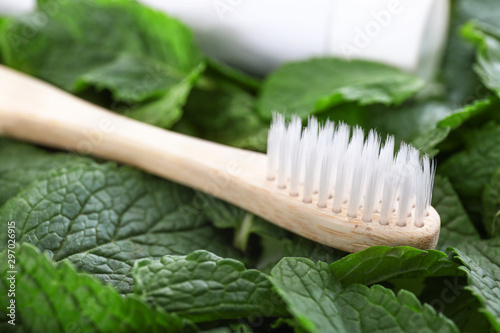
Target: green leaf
pixel 133 78
pixel 219 69
pixel 92 43
pixel 17 154
pixel 407 122
pixel 225 215
pixel 450 122
pixel 482 266
pixel 166 110
pixel 315 85
pixel 23 163
pixel 52 297
pixel 448 296
pixel 426 142
pixel 303 247
pixel 487 41
pixel 491 205
pixel 381 263
pixel 463 85
pixel 291 322
pixel 461 115
pixel 319 303
pixel 223 112
pixel 456 227
pixel 464 311
pixel 103 218
pixel 450 129
pixel 203 287
pixel 469 171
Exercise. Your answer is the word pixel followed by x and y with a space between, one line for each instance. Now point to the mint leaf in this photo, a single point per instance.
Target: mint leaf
pixel 406 122
pixel 491 205
pixel 52 297
pixel 461 82
pixel 381 263
pixel 469 171
pixel 431 140
pixel 465 312
pixel 225 215
pixel 302 247
pixel 23 163
pixel 428 140
pixel 319 303
pixel 17 154
pixel 482 266
pixel 487 40
pixel 461 115
pixel 203 287
pixel 166 110
pixel 123 73
pixel 291 322
pixel 221 111
pixel 448 296
pixel 456 227
pixel 314 85
pixel 220 69
pixel 453 130
pixel 91 43
pixel 82 36
pixel 103 218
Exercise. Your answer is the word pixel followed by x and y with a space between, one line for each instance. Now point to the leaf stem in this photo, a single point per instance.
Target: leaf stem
pixel 243 232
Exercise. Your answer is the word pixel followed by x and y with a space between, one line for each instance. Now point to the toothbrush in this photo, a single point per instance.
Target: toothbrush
pixel 318 183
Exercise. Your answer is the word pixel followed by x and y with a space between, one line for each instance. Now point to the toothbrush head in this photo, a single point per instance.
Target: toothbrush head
pixel 357 177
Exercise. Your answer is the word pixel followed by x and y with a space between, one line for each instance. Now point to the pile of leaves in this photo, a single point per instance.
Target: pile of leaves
pixel 103 247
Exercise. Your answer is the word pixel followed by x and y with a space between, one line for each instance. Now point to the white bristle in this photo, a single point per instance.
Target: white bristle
pixel 357 172
pixel 324 186
pixel 371 153
pixel 339 146
pixel 406 189
pixel 324 142
pixel 363 169
pixel 385 161
pixel 310 173
pixel 424 191
pixel 340 185
pixel 345 173
pixel 353 158
pixel 372 192
pixel 295 165
pixel 293 131
pixel 273 143
pixel 390 185
pixel 282 161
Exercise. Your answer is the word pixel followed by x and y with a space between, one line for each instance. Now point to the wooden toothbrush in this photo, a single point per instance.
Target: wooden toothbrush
pixel 294 188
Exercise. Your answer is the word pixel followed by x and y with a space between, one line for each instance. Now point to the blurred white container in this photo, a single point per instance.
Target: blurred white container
pixel 259 35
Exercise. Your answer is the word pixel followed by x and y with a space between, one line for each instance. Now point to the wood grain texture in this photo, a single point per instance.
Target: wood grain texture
pixel 34 111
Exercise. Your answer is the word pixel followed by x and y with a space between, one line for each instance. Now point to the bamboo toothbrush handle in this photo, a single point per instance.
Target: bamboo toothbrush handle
pixel 35 111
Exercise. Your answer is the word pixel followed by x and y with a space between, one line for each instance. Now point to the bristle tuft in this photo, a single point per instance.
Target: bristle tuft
pixel 354 173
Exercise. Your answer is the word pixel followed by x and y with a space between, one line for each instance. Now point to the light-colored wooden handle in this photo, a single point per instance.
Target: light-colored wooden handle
pixel 35 111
